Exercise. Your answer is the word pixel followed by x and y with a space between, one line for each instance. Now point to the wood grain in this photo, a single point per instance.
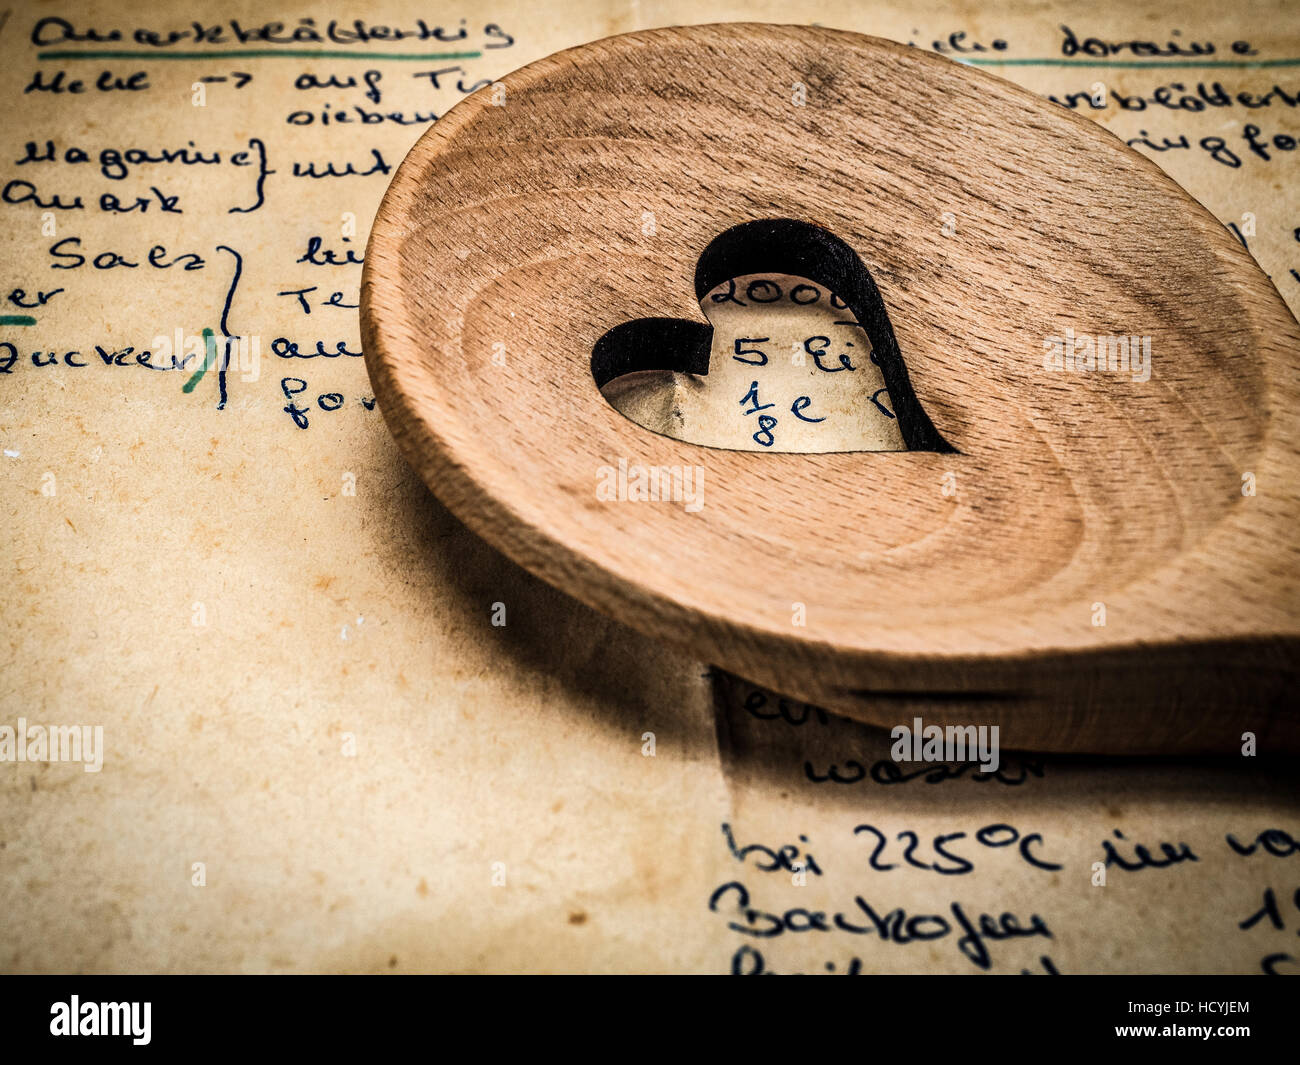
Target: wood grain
pixel 517 229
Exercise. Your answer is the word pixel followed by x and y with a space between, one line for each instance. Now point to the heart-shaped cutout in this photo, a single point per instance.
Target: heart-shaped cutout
pixel 798 354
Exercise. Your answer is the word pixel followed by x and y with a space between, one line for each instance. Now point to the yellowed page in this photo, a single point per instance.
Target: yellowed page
pixel 338 732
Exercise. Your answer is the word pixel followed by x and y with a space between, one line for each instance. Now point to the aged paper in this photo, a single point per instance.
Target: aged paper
pixel 327 728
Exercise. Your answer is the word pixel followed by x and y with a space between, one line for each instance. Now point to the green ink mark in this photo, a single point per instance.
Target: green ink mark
pixel 1136 64
pixel 208 360
pixel 17 319
pixel 258 53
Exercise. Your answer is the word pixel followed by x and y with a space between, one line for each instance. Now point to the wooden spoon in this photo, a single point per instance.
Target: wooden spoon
pixel 1092 559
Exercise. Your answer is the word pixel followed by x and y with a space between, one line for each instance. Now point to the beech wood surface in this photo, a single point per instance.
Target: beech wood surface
pixel 520 225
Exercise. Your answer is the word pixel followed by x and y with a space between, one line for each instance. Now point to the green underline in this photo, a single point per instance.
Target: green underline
pixel 260 53
pixel 17 319
pixel 1135 64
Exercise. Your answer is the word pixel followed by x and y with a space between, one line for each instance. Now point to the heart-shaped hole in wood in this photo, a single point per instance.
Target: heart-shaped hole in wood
pixel 798 356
